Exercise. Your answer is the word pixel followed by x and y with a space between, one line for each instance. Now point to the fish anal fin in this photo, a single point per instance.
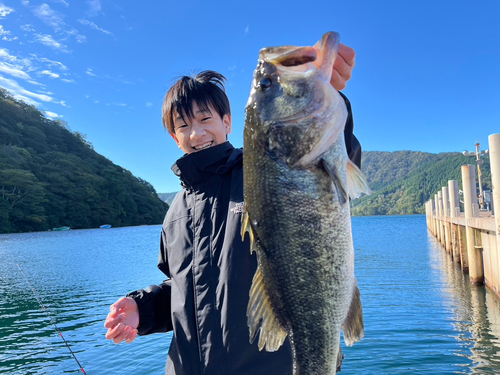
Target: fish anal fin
pixel 356 182
pixel 353 326
pixel 333 172
pixel 261 317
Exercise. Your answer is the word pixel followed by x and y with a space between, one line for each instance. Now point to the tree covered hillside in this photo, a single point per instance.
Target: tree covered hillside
pixel 403 181
pixel 52 177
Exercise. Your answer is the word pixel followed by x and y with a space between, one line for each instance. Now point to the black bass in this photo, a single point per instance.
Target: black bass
pixel 297 183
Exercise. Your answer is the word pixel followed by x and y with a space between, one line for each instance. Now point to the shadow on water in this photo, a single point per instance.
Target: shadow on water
pixel 475 310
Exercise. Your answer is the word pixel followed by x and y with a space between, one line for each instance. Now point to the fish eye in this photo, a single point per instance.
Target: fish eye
pixel 265 83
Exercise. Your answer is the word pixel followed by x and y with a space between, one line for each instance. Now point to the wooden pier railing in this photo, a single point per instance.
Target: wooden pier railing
pixel 471 237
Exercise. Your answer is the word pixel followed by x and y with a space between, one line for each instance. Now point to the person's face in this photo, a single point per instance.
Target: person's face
pixel 205 130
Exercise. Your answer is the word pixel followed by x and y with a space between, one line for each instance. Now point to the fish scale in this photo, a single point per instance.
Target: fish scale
pixel 298 215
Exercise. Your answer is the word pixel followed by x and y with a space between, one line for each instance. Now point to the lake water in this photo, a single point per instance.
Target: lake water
pixel 422 316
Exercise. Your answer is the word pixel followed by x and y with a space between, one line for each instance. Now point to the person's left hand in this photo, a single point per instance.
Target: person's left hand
pixel 343 66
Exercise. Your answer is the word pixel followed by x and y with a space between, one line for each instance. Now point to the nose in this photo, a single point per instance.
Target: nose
pixel 197 131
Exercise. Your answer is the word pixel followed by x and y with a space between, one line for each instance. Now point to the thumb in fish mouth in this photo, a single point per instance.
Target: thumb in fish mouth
pixel 327 49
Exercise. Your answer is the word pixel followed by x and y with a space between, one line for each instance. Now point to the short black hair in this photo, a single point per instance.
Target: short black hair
pixel 206 89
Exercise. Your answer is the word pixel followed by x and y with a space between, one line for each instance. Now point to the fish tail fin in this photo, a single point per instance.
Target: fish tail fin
pixel 356 182
pixel 261 317
pixel 353 326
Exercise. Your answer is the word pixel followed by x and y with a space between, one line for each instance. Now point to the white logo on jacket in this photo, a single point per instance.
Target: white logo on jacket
pixel 238 208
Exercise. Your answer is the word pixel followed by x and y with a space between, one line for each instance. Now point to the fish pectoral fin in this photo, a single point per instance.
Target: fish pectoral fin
pixel 333 172
pixel 261 316
pixel 356 182
pixel 353 326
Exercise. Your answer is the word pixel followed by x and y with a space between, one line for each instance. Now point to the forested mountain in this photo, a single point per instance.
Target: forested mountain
pixel 403 181
pixel 52 177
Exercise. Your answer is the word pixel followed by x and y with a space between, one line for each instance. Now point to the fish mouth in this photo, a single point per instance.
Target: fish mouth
pixel 203 146
pixel 291 58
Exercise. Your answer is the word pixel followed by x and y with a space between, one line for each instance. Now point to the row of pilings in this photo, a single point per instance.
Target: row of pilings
pixel 471 237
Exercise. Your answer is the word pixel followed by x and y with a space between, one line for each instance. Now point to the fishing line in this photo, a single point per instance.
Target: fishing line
pixel 51 320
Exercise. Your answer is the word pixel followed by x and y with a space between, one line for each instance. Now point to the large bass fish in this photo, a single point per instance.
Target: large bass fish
pixel 297 183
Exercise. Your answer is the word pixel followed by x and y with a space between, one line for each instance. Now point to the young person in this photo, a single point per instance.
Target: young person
pixel 209 267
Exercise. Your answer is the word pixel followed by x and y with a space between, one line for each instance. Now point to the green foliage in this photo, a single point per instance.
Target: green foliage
pixel 52 177
pixel 403 181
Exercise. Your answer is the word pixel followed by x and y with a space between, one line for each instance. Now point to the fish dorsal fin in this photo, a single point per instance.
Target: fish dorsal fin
pixel 353 326
pixel 261 316
pixel 356 182
pixel 333 172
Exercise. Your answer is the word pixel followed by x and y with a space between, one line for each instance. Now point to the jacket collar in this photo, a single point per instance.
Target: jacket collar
pixel 197 167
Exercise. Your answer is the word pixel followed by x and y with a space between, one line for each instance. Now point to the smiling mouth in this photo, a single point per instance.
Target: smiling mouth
pixel 203 146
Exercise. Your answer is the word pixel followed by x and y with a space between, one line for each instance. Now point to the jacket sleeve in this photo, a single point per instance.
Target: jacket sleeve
pixel 154 302
pixel 351 142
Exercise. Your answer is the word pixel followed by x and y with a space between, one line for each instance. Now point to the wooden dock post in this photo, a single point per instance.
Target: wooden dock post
pixel 454 213
pixel 446 219
pixel 494 150
pixel 436 213
pixel 440 217
pixel 475 256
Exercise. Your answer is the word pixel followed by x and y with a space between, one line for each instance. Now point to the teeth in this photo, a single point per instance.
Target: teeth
pixel 201 147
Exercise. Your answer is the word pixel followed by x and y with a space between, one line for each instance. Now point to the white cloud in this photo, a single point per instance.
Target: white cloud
pixel 149 104
pixel 247 30
pixel 36 83
pixel 7 39
pixel 52 114
pixel 90 73
pixel 21 93
pixel 49 73
pixel 5 10
pixel 92 25
pixel 57 64
pixel 61 2
pixel 51 17
pixel 63 103
pixel 3 32
pixel 47 40
pixel 95 7
pixel 27 27
pixel 68 80
pixel 25 3
pixel 81 38
pixel 120 104
pixel 13 71
pixel 96 101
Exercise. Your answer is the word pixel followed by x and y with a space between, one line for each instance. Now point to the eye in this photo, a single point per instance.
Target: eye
pixel 264 83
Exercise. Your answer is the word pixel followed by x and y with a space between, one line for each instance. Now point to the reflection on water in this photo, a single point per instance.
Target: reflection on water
pixel 421 314
pixel 475 312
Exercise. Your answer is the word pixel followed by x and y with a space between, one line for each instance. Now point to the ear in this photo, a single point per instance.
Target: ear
pixel 175 139
pixel 227 123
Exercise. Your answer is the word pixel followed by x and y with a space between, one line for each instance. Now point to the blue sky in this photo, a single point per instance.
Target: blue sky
pixel 427 75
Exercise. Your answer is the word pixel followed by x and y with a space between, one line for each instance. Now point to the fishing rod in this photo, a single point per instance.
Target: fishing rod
pixel 51 320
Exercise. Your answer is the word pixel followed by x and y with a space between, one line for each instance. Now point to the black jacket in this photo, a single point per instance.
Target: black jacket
pixel 210 271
